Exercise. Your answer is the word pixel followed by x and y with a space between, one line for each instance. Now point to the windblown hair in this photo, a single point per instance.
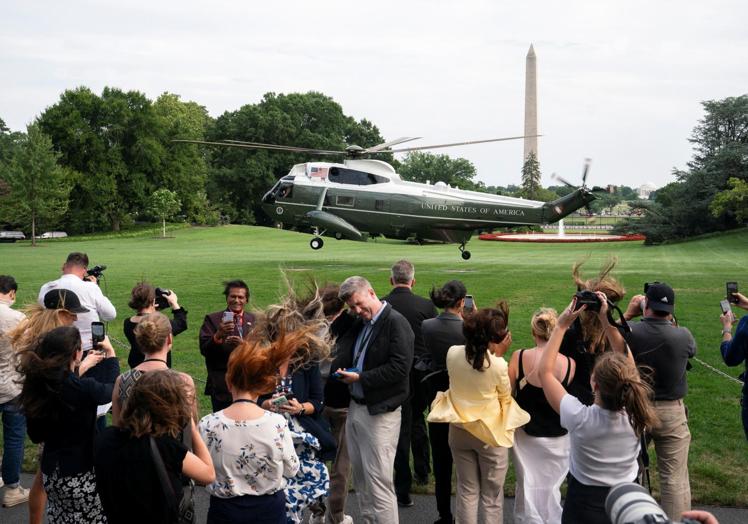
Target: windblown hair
pixel 481 328
pixel 331 303
pixel 253 365
pixel 142 296
pixel 449 295
pixel 621 386
pixel 45 367
pixel 543 321
pixel 152 332
pixel 593 332
pixel 159 404
pixel 39 320
pixel 293 313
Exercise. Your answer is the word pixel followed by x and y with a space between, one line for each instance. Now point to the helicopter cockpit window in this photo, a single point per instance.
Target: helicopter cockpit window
pixel 285 190
pixel 343 175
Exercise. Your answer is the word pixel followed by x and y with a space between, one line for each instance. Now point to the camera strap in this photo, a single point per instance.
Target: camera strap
pixel 623 326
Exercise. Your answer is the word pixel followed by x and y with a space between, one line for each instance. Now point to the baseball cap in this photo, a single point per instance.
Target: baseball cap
pixel 660 297
pixel 63 299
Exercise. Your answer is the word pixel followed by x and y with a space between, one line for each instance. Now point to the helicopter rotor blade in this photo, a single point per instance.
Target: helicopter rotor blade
pixel 386 145
pixel 437 146
pixel 561 179
pixel 586 171
pixel 259 145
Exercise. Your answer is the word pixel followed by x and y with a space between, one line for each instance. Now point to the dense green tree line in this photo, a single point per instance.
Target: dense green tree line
pixel 93 162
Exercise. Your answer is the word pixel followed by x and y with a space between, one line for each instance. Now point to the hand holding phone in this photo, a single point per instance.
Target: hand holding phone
pixel 469 303
pixel 98 332
pixel 279 401
pixel 725 306
pixel 732 290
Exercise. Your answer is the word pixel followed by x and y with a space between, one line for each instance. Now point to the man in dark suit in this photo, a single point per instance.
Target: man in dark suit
pixel 413 433
pixel 374 358
pixel 220 333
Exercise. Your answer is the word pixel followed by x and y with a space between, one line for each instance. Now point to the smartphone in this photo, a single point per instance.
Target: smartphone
pixel 732 287
pixel 228 316
pixel 469 303
pixel 279 401
pixel 725 305
pixel 350 370
pixel 97 333
pixel 290 396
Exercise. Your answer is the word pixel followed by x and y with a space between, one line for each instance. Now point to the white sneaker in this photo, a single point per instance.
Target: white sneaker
pixel 347 519
pixel 15 496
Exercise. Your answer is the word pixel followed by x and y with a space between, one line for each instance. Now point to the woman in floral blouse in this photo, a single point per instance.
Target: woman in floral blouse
pixel 251 448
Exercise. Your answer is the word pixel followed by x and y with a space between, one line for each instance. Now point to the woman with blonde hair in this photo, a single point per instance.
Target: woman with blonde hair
pixel 604 437
pixel 252 448
pixel 154 338
pixel 541 447
pixel 127 463
pixel 481 413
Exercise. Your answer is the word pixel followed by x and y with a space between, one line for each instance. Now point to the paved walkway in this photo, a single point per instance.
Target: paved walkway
pixel 423 512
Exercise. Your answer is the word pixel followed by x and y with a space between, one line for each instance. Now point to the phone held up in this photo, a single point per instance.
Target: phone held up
pixel 469 303
pixel 98 332
pixel 725 305
pixel 732 288
pixel 228 316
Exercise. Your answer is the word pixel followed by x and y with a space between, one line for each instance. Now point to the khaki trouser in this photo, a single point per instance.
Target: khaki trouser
pixel 671 440
pixel 341 467
pixel 481 470
pixel 372 443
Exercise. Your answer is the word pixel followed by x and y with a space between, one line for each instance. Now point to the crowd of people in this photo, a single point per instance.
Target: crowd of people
pixel 332 384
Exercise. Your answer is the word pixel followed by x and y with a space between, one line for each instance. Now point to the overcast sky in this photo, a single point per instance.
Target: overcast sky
pixel 619 82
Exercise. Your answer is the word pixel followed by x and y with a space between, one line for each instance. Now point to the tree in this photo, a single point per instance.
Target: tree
pixel 39 186
pixel 238 178
pixel 163 204
pixel 684 208
pixel 428 167
pixel 531 177
pixel 733 201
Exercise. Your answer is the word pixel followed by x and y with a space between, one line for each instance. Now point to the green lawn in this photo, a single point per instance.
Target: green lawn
pixel 196 261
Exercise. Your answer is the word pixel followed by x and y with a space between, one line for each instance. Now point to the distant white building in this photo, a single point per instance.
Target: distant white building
pixel 645 190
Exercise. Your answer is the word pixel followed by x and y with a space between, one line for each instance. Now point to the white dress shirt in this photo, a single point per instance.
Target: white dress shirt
pixel 10 379
pixel 89 293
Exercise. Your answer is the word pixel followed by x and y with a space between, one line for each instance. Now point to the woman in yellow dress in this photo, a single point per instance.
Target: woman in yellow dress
pixel 482 414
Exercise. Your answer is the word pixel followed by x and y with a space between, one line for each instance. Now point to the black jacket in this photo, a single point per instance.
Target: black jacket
pixel 217 354
pixel 415 309
pixel 389 357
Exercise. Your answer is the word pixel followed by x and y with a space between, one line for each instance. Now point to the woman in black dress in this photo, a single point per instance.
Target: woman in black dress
pixel 143 300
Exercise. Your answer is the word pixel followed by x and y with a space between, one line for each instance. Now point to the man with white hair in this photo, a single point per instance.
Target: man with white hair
pixel 374 358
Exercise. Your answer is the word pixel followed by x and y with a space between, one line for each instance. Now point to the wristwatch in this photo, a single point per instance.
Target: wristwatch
pixel 302 411
pixel 725 331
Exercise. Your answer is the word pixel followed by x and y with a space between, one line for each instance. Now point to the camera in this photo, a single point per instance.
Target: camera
pixel 588 298
pixel 96 271
pixel 630 503
pixel 161 302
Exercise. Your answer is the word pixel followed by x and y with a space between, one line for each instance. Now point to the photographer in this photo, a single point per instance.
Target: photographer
pixel 74 278
pixel 660 344
pixel 143 299
pixel 735 349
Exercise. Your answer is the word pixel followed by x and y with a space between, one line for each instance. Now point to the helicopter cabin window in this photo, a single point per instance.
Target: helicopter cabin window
pixel 379 205
pixel 346 201
pixel 343 175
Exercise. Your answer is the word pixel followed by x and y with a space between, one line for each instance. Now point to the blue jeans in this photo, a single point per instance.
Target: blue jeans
pixel 14 434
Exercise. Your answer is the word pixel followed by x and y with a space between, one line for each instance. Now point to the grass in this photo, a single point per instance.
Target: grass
pixel 196 261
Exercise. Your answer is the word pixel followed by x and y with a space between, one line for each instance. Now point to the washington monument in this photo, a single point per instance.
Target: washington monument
pixel 531 105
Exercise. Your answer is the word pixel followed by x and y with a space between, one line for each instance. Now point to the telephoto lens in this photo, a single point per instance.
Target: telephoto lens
pixel 630 503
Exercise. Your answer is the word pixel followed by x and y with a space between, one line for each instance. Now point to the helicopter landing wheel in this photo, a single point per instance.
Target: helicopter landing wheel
pixel 316 243
pixel 466 255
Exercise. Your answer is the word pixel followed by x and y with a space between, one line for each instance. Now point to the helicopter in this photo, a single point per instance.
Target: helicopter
pixel 363 196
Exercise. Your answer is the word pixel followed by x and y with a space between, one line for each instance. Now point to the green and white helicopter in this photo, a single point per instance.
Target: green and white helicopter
pixel 363 196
